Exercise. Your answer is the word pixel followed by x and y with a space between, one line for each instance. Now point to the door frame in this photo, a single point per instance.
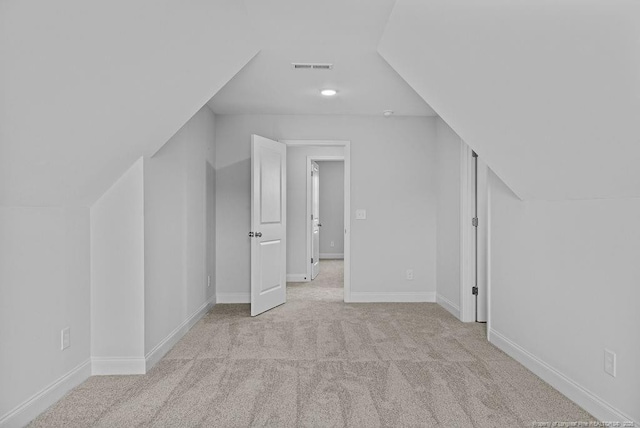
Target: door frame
pixel 310 160
pixel 467 233
pixel 346 158
pixel 309 199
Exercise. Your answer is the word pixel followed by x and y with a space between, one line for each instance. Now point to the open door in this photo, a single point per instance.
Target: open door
pixel 315 220
pixel 268 224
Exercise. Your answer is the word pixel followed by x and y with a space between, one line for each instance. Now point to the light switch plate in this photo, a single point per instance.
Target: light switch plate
pixel 361 214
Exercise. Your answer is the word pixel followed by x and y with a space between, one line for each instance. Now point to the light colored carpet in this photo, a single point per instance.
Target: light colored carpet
pixel 317 362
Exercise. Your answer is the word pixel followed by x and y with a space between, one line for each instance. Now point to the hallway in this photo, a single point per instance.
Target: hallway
pixel 317 361
pixel 327 287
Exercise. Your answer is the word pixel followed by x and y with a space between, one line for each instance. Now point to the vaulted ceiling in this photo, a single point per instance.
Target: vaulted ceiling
pixel 547 91
pixel 342 32
pixel 87 87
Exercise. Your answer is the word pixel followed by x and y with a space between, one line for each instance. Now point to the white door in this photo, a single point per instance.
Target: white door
pixel 315 220
pixel 268 224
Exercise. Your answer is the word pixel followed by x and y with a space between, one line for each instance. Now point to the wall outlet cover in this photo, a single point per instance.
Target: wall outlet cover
pixel 361 214
pixel 610 362
pixel 65 338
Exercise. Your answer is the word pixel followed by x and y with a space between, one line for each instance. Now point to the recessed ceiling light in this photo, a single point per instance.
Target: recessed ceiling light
pixel 387 113
pixel 328 92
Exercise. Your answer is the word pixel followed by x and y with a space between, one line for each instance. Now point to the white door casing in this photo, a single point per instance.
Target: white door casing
pixel 483 226
pixel 268 224
pixel 315 220
pixel 469 249
pixel 346 157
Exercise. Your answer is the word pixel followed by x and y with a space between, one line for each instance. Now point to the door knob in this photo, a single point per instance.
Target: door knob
pixel 250 234
pixel 258 234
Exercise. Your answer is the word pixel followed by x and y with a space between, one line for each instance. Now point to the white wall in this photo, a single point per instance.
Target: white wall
pixel 564 286
pixel 297 262
pixel 117 271
pixel 44 287
pixel 90 55
pixel 331 207
pixel 392 161
pixel 448 153
pixel 178 196
pixel 526 85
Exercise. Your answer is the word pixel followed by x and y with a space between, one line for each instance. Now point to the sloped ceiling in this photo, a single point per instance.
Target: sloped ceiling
pixel 547 91
pixel 342 32
pixel 87 87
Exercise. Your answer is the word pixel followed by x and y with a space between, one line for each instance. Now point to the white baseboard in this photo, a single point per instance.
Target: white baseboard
pixel 593 404
pixel 117 366
pixel 398 297
pixel 332 256
pixel 448 305
pixel 233 298
pixel 29 409
pixel 168 342
pixel 297 277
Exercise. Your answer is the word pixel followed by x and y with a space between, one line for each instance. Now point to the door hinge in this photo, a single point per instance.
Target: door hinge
pixel 311 260
pixel 311 216
pixel 474 291
pixel 474 221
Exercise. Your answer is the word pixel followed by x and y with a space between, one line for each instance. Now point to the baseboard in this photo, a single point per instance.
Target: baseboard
pixel 448 305
pixel 233 298
pixel 117 366
pixel 43 399
pixel 590 402
pixel 297 277
pixel 332 256
pixel 398 297
pixel 168 342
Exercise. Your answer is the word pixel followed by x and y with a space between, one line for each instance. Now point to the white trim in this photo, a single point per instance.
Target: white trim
pixel 590 402
pixel 488 252
pixel 448 305
pixel 117 366
pixel 332 256
pixel 394 297
pixel 347 202
pixel 329 143
pixel 310 160
pixel 297 277
pixel 233 297
pixel 172 338
pixel 467 237
pixel 29 409
pixel 483 239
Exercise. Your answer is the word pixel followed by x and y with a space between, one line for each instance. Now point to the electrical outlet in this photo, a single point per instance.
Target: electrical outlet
pixel 410 274
pixel 208 280
pixel 610 362
pixel 361 214
pixel 333 244
pixel 65 338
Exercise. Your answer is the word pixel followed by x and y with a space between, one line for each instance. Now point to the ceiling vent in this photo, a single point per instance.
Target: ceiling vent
pixel 311 66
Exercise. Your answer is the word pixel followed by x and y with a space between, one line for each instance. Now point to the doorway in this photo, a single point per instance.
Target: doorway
pixel 474 263
pixel 326 243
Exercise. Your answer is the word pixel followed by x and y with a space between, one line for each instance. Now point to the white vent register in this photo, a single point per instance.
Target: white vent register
pixel 311 66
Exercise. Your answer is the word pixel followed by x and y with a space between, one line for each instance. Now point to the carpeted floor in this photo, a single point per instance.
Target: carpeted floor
pixel 319 362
